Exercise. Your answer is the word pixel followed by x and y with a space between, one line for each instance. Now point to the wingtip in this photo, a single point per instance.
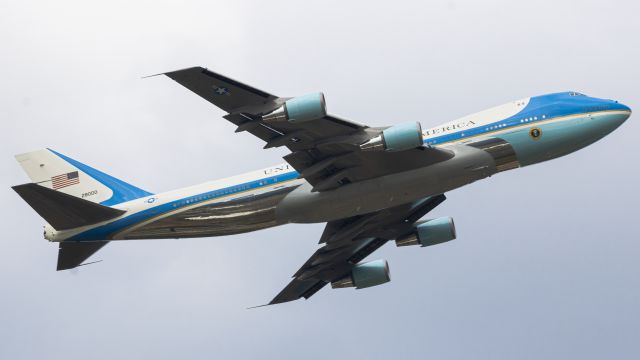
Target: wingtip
pixel 258 306
pixel 148 76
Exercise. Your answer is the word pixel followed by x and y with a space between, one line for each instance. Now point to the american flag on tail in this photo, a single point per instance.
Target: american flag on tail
pixel 64 180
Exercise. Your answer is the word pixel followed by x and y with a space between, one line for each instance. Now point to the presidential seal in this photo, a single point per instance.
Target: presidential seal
pixel 535 133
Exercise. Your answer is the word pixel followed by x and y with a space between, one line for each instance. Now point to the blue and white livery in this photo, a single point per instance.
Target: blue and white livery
pixel 370 185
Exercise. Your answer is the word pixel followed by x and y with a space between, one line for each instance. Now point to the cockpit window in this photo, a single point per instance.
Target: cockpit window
pixel 573 93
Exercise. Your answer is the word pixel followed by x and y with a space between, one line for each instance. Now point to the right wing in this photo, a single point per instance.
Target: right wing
pixel 348 241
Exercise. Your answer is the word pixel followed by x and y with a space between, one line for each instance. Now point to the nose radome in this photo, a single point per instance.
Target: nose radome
pixel 622 107
pixel 626 111
pixel 619 112
pixel 619 115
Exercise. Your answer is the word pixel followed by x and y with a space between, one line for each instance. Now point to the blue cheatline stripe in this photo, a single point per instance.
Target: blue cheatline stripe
pixel 103 232
pixel 122 191
pixel 539 108
pixel 550 106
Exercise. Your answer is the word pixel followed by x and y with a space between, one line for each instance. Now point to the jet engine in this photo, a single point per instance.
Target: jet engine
pixel 299 109
pixel 365 275
pixel 398 137
pixel 430 232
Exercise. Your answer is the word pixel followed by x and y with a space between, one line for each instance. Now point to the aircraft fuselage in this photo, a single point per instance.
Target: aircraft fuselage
pixel 515 134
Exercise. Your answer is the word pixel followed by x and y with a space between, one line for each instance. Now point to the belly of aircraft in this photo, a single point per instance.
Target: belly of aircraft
pixel 235 216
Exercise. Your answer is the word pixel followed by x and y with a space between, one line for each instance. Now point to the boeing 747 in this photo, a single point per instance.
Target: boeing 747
pixel 370 185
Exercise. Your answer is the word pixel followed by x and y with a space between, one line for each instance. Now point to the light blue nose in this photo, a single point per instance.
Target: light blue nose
pixel 625 108
pixel 615 118
pixel 566 136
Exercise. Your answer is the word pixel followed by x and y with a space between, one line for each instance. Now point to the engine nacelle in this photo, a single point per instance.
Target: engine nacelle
pixel 430 232
pixel 399 137
pixel 299 109
pixel 365 275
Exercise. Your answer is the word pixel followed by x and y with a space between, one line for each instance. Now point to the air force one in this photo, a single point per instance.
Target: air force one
pixel 370 185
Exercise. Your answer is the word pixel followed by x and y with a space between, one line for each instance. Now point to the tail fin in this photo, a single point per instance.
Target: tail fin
pixel 58 172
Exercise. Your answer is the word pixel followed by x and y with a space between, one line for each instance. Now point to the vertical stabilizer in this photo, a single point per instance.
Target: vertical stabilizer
pixel 58 172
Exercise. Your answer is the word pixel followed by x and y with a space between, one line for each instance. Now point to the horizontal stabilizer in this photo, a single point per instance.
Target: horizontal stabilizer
pixel 63 211
pixel 72 254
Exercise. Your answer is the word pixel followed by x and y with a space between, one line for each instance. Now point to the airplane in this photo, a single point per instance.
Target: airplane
pixel 370 185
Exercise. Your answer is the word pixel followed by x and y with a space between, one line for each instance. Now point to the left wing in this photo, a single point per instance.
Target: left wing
pixel 325 150
pixel 348 241
pixel 223 92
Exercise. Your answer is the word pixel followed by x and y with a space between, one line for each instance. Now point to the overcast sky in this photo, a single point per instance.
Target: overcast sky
pixel 546 260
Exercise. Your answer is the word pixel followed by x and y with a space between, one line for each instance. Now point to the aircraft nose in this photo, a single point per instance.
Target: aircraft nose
pixel 616 115
pixel 617 112
pixel 624 112
pixel 626 107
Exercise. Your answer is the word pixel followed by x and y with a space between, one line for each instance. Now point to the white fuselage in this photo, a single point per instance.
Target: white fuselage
pixel 538 129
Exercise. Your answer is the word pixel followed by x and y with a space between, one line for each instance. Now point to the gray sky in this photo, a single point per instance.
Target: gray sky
pixel 546 260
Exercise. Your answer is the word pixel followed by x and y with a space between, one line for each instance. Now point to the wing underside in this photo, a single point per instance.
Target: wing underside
pixel 325 151
pixel 348 241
